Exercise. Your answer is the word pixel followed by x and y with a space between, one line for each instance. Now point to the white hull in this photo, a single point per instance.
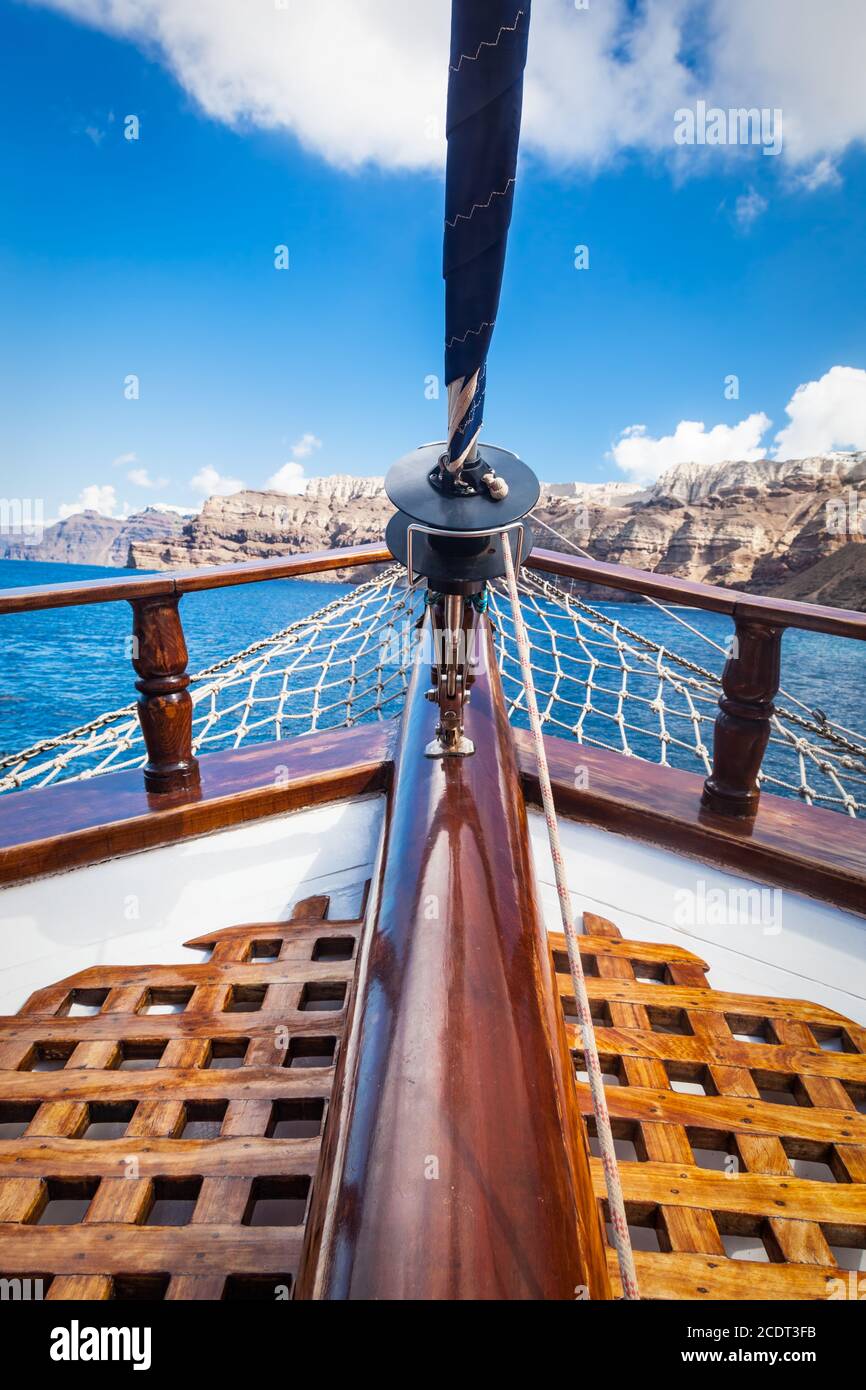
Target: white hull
pixel 141 908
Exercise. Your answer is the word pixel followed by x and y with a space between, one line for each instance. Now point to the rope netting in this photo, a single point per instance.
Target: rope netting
pixel 599 680
pixel 605 684
pixel 339 666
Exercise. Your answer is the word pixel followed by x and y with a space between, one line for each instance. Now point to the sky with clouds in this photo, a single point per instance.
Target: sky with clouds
pixel 248 293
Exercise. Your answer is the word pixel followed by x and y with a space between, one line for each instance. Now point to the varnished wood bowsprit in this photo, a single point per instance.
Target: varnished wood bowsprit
pixel 457 1168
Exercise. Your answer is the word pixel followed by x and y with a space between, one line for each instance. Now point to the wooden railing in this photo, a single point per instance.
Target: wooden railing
pixel 176 583
pixel 750 679
pixel 159 654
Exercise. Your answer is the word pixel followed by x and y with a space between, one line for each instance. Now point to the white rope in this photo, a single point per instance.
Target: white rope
pixel 462 393
pixel 618 1219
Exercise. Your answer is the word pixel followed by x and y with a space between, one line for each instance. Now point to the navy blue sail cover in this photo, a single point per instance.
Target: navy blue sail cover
pixel 485 97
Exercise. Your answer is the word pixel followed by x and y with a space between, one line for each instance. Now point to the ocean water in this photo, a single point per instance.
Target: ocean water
pixel 62 667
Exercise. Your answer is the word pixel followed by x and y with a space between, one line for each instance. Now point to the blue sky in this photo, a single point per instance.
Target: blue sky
pixel 156 257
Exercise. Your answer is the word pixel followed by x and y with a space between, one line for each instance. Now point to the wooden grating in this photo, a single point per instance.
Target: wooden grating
pixel 740 1123
pixel 169 1118
pixel 151 1154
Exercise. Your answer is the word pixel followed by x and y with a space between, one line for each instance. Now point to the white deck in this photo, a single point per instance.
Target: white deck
pixel 756 940
pixel 140 909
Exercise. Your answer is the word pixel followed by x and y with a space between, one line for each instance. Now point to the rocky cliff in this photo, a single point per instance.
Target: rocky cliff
pixel 761 526
pixel 754 526
pixel 89 538
pixel 332 512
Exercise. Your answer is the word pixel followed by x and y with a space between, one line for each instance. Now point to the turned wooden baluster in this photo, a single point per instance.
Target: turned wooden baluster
pixel 159 656
pixel 750 681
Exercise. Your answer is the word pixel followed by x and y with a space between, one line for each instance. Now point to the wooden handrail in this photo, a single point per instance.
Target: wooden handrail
pixel 838 622
pixel 177 582
pixel 812 617
pixel 750 679
pixel 807 849
pixel 47 830
pixel 159 653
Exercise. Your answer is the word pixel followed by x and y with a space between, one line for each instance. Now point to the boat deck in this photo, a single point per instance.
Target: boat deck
pixel 740 1125
pixel 170 1120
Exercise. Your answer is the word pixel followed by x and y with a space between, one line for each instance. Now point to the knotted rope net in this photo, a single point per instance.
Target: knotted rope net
pixel 600 680
pixel 341 665
pixel 608 685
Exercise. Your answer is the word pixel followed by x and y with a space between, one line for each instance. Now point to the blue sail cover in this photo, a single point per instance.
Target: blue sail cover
pixel 485 97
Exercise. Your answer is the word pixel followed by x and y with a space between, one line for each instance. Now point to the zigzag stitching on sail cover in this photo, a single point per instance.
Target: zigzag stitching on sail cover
pixel 485 43
pixel 467 216
pixel 470 332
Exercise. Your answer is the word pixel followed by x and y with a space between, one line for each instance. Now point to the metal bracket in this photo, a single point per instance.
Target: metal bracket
pixel 463 535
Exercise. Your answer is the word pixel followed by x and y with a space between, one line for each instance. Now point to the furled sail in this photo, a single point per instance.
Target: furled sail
pixel 485 97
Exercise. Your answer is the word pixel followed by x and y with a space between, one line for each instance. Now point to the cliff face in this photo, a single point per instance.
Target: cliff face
pixel 758 526
pixel 838 580
pixel 333 512
pixel 752 526
pixel 89 538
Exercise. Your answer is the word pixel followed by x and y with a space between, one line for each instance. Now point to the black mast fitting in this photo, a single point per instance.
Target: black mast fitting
pixel 457 538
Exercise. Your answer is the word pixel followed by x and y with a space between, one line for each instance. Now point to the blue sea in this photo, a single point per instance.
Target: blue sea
pixel 61 667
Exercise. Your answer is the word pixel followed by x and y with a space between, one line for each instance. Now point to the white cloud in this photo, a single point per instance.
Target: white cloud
pixel 93 499
pixel 824 174
pixel 354 80
pixel 645 458
pixel 748 208
pixel 825 415
pixel 209 483
pixel 141 478
pixel 306 445
pixel 803 57
pixel 359 80
pixel 290 478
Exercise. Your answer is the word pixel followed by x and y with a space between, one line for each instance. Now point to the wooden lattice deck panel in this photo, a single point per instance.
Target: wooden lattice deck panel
pixel 250 1059
pixel 719 1161
pixel 218 1110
